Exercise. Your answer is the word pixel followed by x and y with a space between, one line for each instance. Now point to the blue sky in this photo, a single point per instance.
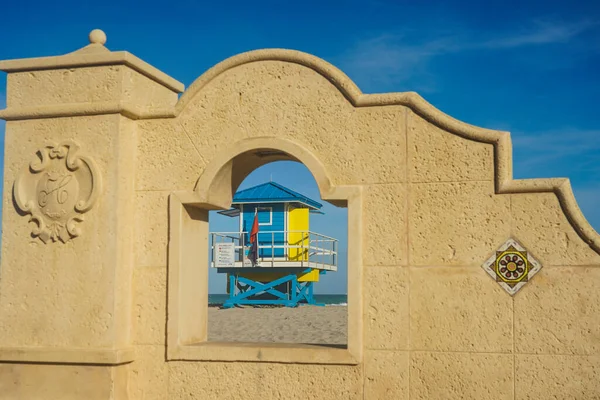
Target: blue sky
pixel 527 67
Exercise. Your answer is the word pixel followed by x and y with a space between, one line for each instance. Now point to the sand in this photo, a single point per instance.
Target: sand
pixel 304 324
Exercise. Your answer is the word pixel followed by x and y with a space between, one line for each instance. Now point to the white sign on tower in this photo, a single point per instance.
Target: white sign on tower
pixel 224 256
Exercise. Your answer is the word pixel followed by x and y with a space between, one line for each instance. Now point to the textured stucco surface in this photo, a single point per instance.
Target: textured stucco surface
pixel 456 223
pixel 561 312
pixel 173 169
pixel 151 233
pixel 291 101
pixel 429 200
pixel 459 309
pixel 86 85
pixel 559 377
pixel 149 305
pixel 386 374
pixel 74 85
pixel 68 295
pixel 435 156
pixel 386 316
pixel 386 225
pixel 222 380
pixel 62 382
pixel 461 376
pixel 152 378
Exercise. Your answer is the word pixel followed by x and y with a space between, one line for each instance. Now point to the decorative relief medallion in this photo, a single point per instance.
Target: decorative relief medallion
pixel 512 266
pixel 59 186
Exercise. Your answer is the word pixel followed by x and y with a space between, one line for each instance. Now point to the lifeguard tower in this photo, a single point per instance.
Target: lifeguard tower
pixel 288 258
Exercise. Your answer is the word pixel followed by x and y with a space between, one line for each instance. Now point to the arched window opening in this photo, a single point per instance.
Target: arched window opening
pixel 189 263
pixel 278 269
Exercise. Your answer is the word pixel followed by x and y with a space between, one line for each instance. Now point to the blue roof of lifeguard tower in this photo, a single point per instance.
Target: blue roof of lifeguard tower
pixel 272 192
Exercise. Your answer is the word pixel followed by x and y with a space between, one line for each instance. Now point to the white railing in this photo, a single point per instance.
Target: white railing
pixel 309 248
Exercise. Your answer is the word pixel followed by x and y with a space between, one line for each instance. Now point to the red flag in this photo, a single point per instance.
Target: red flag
pixel 254 231
pixel 253 254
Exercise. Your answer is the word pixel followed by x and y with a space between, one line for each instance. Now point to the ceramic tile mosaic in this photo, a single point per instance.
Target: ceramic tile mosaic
pixel 511 266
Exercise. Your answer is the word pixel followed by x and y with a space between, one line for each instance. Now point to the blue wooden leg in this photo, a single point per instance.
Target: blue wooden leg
pixel 310 299
pixel 229 303
pixel 294 285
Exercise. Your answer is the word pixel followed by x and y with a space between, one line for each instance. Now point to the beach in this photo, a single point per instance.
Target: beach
pixel 304 324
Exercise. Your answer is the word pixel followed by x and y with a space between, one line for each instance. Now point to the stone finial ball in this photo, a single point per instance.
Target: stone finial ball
pixel 97 36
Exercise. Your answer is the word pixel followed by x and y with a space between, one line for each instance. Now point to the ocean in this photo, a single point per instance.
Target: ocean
pixel 327 299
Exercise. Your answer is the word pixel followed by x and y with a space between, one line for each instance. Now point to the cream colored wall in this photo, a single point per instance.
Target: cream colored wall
pixel 64 295
pixel 68 382
pixel 85 85
pixel 437 200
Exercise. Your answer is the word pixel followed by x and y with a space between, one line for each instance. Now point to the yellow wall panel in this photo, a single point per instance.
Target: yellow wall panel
pixel 298 221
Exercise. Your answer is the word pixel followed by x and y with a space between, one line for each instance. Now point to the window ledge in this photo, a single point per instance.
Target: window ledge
pixel 263 352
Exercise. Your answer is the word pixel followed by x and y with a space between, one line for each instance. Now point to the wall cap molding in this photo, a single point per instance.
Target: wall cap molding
pixel 83 58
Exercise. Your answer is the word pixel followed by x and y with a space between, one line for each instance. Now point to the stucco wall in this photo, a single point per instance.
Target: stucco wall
pixel 436 200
